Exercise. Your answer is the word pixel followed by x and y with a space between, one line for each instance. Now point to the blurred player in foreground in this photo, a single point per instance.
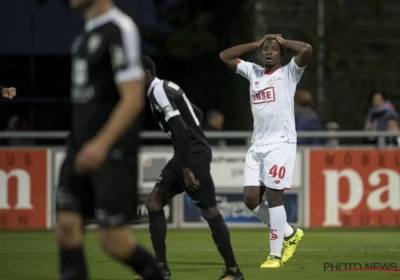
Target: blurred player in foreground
pixel 270 160
pixel 188 170
pixel 8 93
pixel 99 173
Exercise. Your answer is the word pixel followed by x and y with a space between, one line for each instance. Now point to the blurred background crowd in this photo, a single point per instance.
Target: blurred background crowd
pixel 352 84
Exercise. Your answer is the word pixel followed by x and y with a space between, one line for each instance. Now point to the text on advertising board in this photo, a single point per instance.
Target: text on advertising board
pixel 354 188
pixel 23 189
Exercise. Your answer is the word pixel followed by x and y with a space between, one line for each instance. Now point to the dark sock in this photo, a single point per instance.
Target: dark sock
pixel 144 264
pixel 73 264
pixel 158 233
pixel 222 240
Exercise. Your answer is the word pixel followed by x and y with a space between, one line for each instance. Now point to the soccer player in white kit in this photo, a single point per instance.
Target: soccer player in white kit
pixel 270 160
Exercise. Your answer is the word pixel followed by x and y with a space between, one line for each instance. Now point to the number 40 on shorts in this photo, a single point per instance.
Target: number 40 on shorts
pixel 277 171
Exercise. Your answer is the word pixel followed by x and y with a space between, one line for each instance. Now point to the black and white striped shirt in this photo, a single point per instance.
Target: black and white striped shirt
pixel 105 54
pixel 178 117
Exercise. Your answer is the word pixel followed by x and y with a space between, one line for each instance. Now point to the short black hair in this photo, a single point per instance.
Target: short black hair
pixel 213 113
pixel 148 64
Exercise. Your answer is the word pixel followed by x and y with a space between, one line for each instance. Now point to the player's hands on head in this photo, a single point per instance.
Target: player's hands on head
pixel 190 180
pixel 91 157
pixel 261 41
pixel 9 93
pixel 277 37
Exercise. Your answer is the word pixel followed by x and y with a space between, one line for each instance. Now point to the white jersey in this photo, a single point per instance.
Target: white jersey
pixel 272 101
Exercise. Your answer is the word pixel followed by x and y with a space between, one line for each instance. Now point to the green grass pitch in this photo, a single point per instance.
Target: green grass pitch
pixel 31 255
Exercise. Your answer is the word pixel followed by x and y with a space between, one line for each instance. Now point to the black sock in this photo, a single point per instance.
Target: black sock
pixel 158 233
pixel 73 264
pixel 222 240
pixel 144 264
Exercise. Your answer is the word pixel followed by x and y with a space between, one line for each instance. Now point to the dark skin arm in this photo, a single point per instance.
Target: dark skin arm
pixel 303 50
pixel 230 56
pixel 182 136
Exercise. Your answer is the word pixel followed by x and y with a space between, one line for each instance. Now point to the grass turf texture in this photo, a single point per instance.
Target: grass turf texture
pixel 31 255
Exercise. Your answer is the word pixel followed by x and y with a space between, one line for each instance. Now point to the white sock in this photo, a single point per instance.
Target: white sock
pixel 277 229
pixel 288 230
pixel 262 212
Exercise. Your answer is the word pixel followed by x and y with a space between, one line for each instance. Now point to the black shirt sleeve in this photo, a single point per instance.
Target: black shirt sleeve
pixel 125 53
pixel 182 136
pixel 178 127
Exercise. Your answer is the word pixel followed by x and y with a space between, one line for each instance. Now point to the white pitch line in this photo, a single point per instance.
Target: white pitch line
pixel 394 250
pixel 300 249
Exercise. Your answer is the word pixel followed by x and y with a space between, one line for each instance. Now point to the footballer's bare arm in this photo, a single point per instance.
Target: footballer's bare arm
pixel 303 50
pixel 231 56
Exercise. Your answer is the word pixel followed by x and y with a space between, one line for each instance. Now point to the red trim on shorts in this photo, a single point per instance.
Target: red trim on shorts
pixel 287 188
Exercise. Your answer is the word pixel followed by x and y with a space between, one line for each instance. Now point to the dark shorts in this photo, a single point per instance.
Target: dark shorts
pixel 109 195
pixel 172 180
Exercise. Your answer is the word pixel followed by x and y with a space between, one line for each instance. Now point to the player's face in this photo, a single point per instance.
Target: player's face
pixel 377 100
pixel 217 121
pixel 80 4
pixel 148 78
pixel 271 52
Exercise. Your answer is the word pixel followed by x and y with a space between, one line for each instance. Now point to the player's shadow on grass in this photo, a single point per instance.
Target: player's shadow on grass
pixel 208 264
pixel 200 264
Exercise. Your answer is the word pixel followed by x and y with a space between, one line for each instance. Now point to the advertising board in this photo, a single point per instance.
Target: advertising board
pixel 227 168
pixel 354 188
pixel 24 193
pixel 235 212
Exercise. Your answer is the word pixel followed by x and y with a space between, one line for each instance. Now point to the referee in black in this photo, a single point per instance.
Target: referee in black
pixel 99 175
pixel 188 170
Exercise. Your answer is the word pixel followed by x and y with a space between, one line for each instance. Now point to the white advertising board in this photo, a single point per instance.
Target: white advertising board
pixel 227 168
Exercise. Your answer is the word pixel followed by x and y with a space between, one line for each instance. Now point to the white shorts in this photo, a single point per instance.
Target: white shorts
pixel 270 165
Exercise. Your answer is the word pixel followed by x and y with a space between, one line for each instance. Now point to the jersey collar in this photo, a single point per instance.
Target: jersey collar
pixel 100 20
pixel 271 72
pixel 152 85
